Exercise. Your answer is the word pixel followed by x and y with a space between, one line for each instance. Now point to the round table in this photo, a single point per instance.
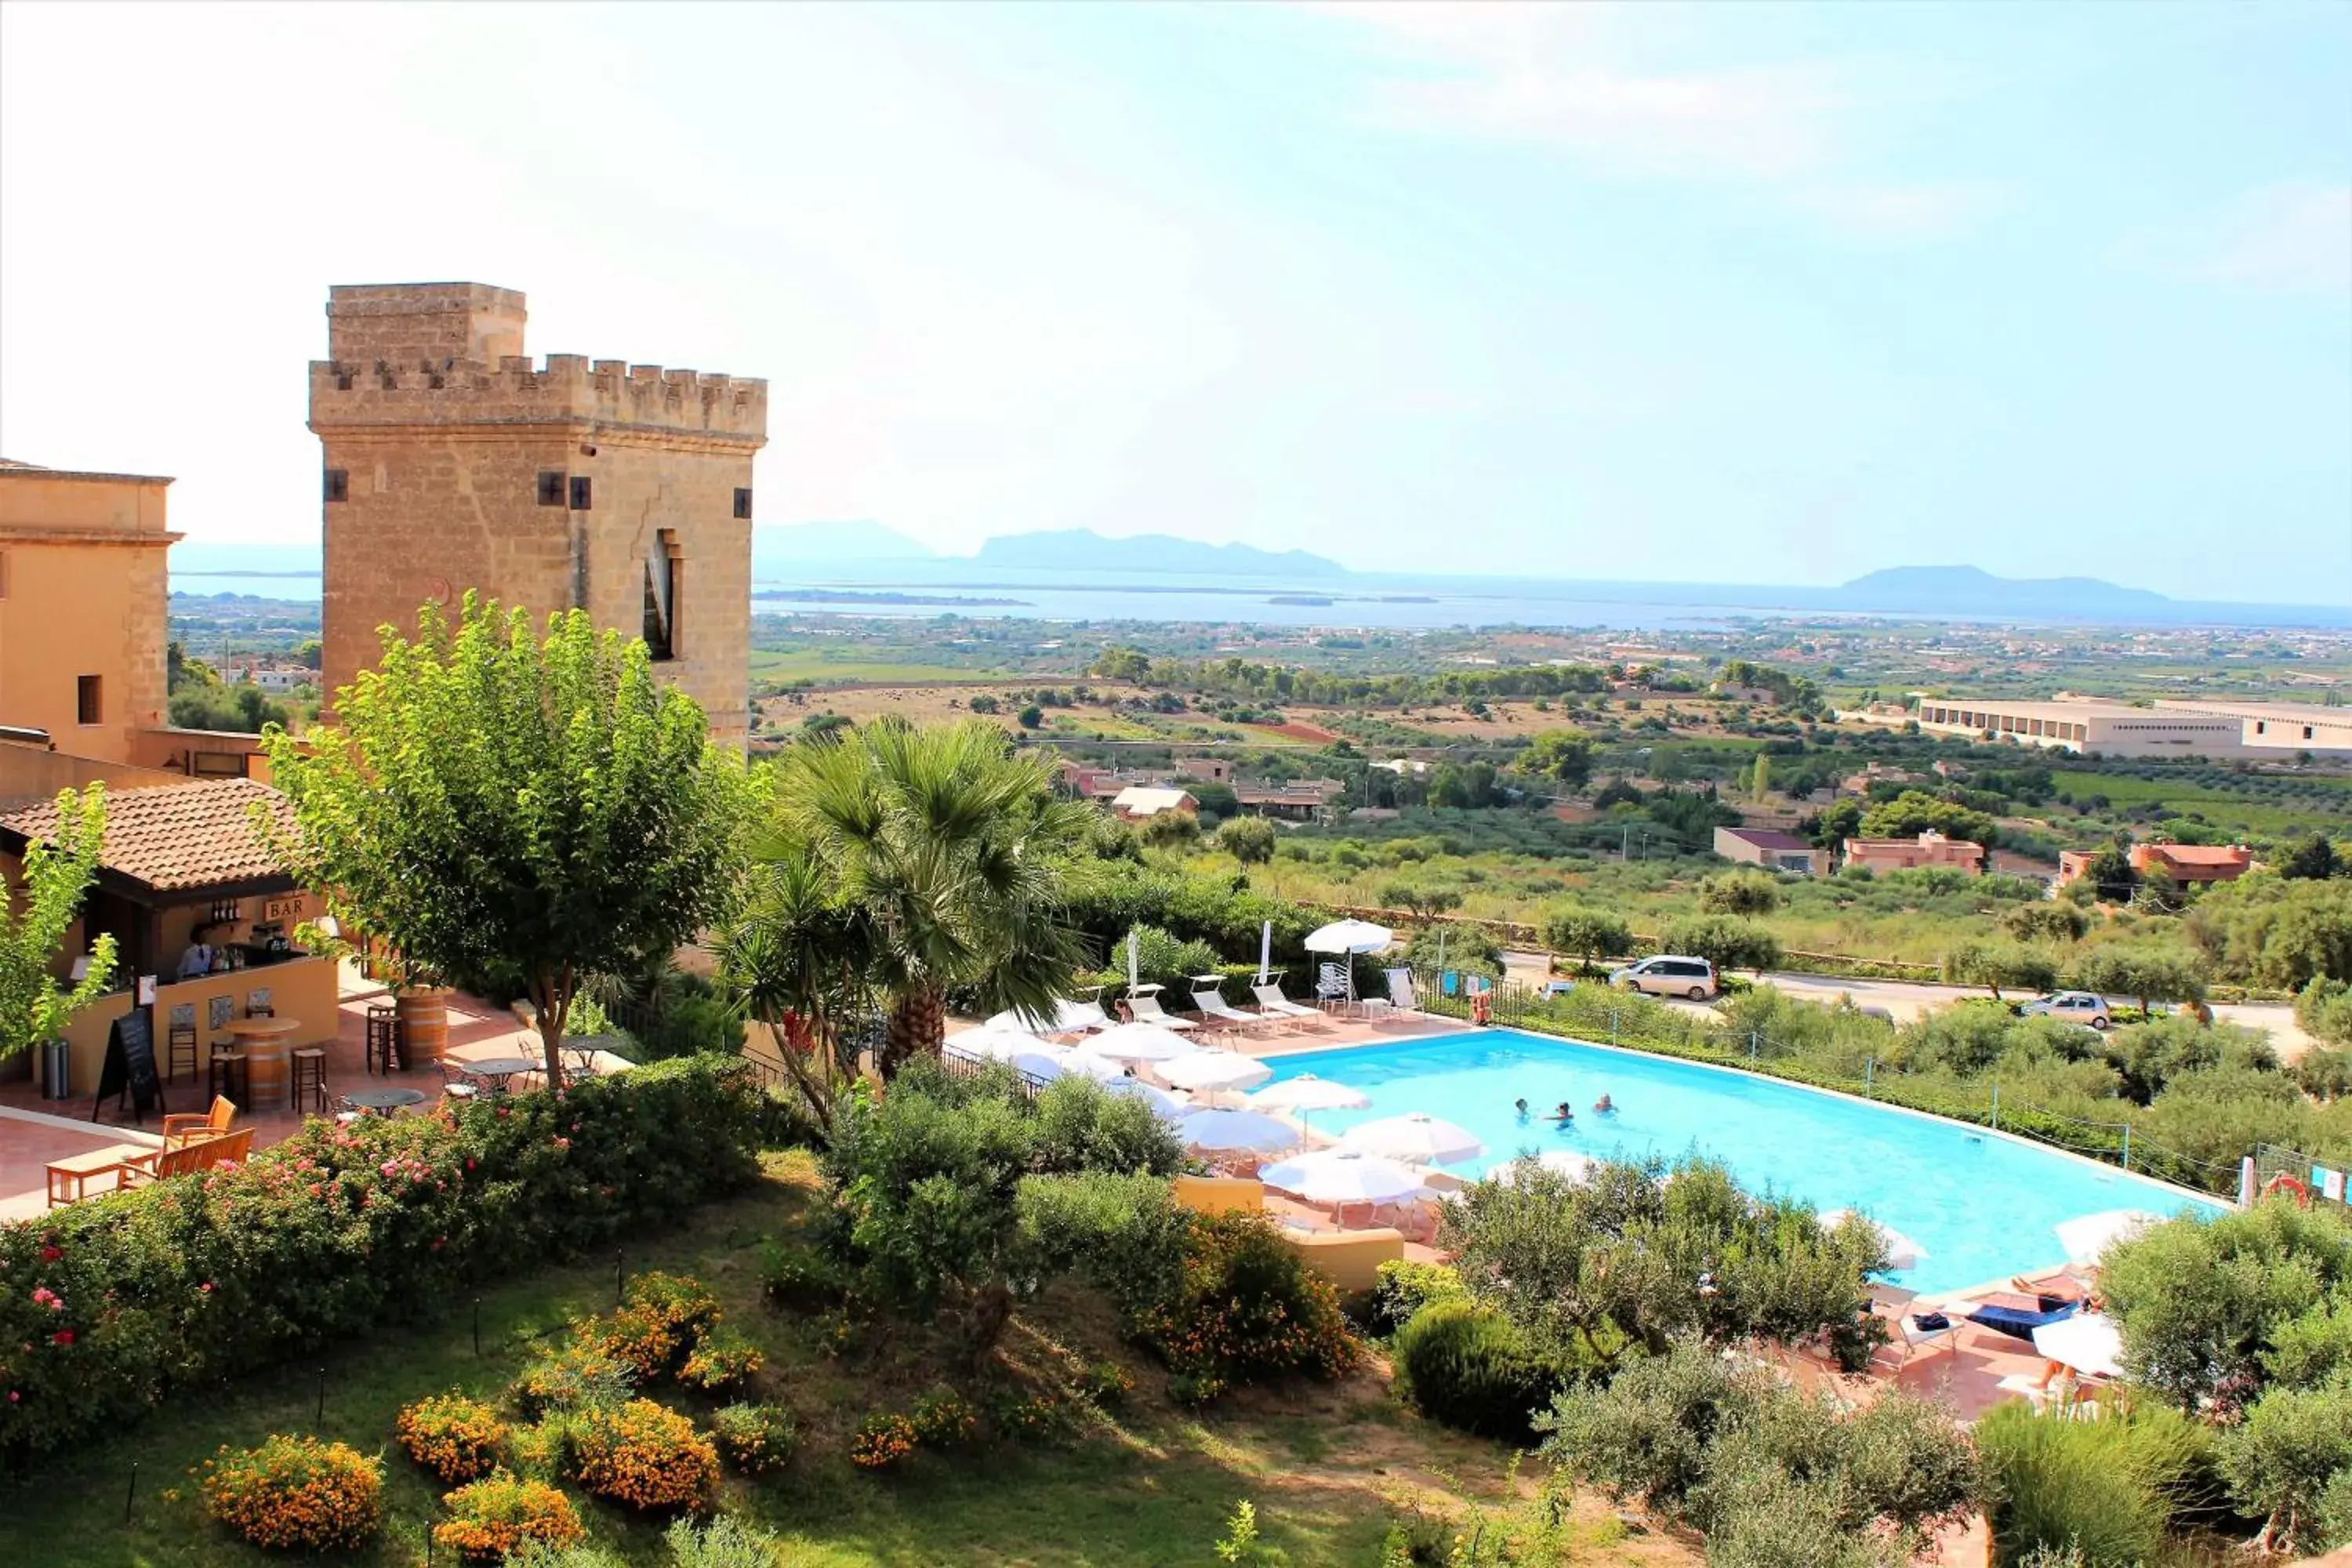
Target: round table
pixel 266 1043
pixel 383 1101
pixel 495 1070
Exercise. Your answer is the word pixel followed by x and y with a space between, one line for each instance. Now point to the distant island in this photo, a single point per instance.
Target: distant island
pixel 852 596
pixel 1972 590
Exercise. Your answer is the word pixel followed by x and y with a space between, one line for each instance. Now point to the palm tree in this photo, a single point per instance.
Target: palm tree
pixel 939 854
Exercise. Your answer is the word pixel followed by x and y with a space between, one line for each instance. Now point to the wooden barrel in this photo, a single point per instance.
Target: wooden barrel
pixel 424 1020
pixel 265 1073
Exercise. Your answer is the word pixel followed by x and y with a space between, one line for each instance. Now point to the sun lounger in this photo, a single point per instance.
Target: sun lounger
pixel 1273 1004
pixel 2019 1322
pixel 1913 1326
pixel 1216 1012
pixel 1402 995
pixel 1145 1009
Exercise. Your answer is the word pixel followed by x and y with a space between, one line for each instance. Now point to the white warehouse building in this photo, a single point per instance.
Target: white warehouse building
pixel 2170 729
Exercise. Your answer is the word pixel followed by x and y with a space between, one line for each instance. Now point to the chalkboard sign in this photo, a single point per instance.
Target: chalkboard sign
pixel 130 1069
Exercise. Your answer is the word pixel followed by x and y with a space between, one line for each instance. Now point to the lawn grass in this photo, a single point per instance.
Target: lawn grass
pixel 1326 1465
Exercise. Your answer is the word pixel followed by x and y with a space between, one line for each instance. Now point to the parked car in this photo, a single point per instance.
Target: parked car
pixel 1668 975
pixel 2075 1006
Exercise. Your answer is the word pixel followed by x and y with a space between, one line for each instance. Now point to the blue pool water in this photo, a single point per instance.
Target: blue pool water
pixel 1983 1207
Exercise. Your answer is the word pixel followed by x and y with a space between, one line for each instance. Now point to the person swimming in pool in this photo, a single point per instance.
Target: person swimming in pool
pixel 1606 1106
pixel 1562 1115
pixel 1521 1107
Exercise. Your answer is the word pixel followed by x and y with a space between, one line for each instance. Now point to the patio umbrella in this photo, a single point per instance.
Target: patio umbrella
pixel 1140 1043
pixel 1084 1063
pixel 2087 1342
pixel 1418 1137
pixel 1214 1072
pixel 1576 1167
pixel 1902 1252
pixel 1265 953
pixel 1166 1106
pixel 1069 1017
pixel 994 1045
pixel 2086 1236
pixel 1236 1131
pixel 1308 1092
pixel 1342 1177
pixel 1350 937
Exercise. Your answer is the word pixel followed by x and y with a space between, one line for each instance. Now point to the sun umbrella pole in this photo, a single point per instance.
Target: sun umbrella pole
pixel 1265 953
pixel 1131 977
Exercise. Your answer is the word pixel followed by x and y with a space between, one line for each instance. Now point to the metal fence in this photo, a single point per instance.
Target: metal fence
pixel 1590 1012
pixel 2274 1162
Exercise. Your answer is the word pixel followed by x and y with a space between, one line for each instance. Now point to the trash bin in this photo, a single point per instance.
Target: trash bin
pixel 57 1070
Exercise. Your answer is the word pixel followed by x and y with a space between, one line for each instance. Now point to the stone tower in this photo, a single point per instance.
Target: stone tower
pixel 453 462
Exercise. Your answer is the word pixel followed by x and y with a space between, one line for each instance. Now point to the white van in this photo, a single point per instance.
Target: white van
pixel 1668 975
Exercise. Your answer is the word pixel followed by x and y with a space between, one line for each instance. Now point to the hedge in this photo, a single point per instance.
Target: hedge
pixel 109 1306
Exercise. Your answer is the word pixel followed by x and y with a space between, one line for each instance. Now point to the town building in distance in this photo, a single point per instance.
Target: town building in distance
pixel 453 461
pixel 2182 727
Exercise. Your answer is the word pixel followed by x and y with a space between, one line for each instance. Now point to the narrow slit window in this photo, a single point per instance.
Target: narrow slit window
pixel 743 504
pixel 580 492
pixel 90 700
pixel 551 488
pixel 339 484
pixel 662 573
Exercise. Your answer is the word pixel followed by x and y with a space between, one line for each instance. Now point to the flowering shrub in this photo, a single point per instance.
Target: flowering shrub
pixel 339 1232
pixel 1106 1382
pixel 643 1454
pixel 1033 1418
pixel 885 1440
pixel 943 1419
pixel 723 1358
pixel 801 1277
pixel 494 1517
pixel 755 1438
pixel 662 1316
pixel 455 1437
pixel 297 1492
pixel 570 1377
pixel 1246 1307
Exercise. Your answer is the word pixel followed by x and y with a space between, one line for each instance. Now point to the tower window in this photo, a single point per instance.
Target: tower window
pixel 579 493
pixel 663 570
pixel 551 488
pixel 743 504
pixel 90 705
pixel 339 484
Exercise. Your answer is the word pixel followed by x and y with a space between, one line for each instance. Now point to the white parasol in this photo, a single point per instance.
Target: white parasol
pixel 1140 1043
pixel 1343 1177
pixel 1214 1072
pixel 2087 1342
pixel 1350 937
pixel 1308 1092
pixel 1418 1137
pixel 1902 1252
pixel 1237 1132
pixel 998 1044
pixel 1069 1017
pixel 2086 1236
pixel 1166 1106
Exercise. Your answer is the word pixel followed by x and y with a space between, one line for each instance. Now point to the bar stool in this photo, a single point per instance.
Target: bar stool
pixel 226 1075
pixel 309 1076
pixel 382 1038
pixel 180 1041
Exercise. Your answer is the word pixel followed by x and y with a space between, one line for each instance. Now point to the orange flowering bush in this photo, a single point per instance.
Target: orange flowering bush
pixel 494 1517
pixel 576 1375
pixel 297 1492
pixel 943 1419
pixel 1033 1418
pixel 663 1316
pixel 721 1360
pixel 1246 1307
pixel 755 1438
pixel 455 1437
pixel 884 1441
pixel 642 1455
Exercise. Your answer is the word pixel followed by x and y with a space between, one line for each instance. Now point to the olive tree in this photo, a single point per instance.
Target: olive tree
pixel 36 914
pixel 1588 934
pixel 514 809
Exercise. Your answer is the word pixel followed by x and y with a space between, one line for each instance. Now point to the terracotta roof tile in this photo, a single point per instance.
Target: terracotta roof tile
pixel 177 837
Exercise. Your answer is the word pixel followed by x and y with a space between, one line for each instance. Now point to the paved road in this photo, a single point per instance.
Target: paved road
pixel 1907 999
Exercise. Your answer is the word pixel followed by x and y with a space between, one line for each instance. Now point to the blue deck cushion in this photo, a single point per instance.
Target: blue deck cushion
pixel 2018 1323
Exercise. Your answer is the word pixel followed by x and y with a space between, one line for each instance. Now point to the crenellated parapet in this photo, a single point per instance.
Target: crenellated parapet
pixel 516 390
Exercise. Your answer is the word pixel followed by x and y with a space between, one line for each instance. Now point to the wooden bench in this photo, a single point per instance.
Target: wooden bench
pixel 71 1178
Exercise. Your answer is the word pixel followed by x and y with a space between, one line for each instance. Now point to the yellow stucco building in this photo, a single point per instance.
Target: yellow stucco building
pixel 82 592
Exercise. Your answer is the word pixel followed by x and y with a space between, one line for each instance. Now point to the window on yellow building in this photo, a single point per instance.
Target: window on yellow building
pixel 90 707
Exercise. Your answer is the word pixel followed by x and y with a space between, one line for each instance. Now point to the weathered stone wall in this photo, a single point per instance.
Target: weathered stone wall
pixel 442 448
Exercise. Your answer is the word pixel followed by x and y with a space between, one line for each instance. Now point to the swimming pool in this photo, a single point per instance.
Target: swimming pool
pixel 1982 1205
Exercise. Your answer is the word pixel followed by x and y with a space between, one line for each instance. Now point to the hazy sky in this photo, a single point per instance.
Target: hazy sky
pixel 1758 292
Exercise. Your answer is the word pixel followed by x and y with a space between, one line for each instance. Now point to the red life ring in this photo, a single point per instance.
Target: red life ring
pixel 1481 1010
pixel 2301 1192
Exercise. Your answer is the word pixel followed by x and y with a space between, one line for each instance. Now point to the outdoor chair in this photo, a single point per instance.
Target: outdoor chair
pixel 1913 1328
pixel 181 1129
pixel 1402 995
pixel 1144 1008
pixel 1331 988
pixel 1273 1004
pixel 1217 1012
pixel 180 1045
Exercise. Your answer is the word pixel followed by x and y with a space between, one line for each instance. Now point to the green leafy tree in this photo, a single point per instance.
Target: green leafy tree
pixel 1740 893
pixel 2048 921
pixel 2110 873
pixel 513 809
pixel 2312 859
pixel 1838 822
pixel 1031 717
pixel 1248 839
pixel 2151 975
pixel 1564 757
pixel 57 871
pixel 242 709
pixel 951 856
pixel 983 703
pixel 1588 934
pixel 1725 942
pixel 1995 965
pixel 1914 812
